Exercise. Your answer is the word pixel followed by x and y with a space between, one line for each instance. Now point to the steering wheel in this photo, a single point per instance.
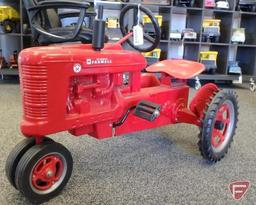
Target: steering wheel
pixel 124 26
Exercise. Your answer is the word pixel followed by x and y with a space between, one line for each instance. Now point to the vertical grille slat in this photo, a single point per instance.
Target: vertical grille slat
pixel 35 98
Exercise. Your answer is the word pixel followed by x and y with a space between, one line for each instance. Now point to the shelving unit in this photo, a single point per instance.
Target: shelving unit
pixel 10 42
pixel 179 18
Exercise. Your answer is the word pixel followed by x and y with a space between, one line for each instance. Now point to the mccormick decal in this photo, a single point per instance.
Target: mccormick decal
pixel 98 61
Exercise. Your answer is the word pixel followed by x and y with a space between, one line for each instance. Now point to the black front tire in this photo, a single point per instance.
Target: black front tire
pixel 16 154
pixel 206 144
pixel 35 191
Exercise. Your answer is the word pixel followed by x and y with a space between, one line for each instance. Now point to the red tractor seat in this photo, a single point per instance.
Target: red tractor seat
pixel 181 69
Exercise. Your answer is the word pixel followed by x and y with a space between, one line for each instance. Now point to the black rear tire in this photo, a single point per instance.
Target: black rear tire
pixel 15 155
pixel 37 183
pixel 211 149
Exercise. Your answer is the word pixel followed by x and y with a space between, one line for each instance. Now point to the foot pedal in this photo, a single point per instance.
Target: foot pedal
pixel 147 110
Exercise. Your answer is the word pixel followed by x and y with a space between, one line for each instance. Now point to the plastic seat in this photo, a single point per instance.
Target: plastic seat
pixel 180 69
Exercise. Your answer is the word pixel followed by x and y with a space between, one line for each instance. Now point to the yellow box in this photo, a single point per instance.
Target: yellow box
pixel 112 22
pixel 159 18
pixel 153 54
pixel 211 22
pixel 209 55
pixel 9 13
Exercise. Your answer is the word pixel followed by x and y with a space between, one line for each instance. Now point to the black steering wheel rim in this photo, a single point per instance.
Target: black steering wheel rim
pixel 154 41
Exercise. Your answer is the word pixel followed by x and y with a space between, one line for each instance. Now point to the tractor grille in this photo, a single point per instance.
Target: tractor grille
pixel 34 82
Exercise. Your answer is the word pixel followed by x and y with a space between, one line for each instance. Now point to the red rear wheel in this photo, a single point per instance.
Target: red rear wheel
pixel 224 122
pixel 218 126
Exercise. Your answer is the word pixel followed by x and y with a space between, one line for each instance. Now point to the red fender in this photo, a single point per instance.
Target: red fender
pixel 202 98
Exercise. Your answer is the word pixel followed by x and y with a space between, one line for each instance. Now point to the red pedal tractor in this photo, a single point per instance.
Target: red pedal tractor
pixel 98 89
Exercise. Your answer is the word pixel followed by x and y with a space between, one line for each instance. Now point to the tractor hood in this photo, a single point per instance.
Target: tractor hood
pixel 112 55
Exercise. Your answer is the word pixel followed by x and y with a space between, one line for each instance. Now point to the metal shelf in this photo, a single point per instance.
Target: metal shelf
pixel 194 17
pixel 218 77
pixel 11 34
pixel 9 71
pixel 215 44
pixel 220 10
pixel 245 45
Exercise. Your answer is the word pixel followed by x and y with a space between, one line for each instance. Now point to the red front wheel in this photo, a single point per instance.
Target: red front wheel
pixel 43 171
pixel 218 126
pixel 16 154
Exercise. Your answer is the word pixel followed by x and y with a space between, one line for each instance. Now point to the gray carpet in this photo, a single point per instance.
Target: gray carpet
pixel 161 166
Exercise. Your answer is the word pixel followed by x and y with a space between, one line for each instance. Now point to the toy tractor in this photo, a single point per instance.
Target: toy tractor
pixel 223 4
pixel 246 5
pixel 189 34
pixel 210 4
pixel 185 3
pixel 211 30
pixel 209 59
pixel 80 88
pixel 175 35
pixel 9 18
pixel 238 36
pixel 234 68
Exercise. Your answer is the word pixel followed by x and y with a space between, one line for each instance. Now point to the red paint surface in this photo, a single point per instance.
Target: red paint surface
pixel 57 97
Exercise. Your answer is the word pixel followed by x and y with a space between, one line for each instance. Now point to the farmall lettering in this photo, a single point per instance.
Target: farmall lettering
pixel 98 61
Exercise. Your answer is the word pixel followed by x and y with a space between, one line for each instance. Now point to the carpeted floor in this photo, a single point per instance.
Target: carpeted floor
pixel 161 166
